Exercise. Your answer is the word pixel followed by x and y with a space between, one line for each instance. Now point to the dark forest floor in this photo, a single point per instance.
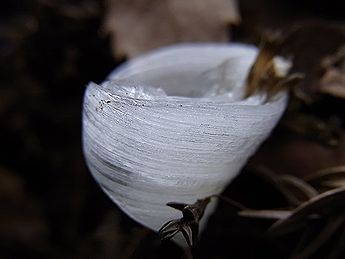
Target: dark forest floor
pixel 50 207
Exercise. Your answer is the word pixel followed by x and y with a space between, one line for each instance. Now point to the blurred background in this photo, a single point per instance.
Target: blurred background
pixel 50 207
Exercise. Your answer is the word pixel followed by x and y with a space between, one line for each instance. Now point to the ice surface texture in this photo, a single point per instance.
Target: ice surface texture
pixel 171 125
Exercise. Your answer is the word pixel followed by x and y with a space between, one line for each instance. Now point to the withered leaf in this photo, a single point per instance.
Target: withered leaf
pixel 270 72
pixel 333 83
pixel 140 25
pixel 333 80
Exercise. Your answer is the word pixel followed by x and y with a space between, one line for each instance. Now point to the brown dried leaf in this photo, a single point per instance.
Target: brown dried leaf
pixel 333 83
pixel 333 80
pixel 141 25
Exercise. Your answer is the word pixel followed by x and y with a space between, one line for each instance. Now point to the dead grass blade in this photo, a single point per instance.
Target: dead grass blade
pixel 325 204
pixel 329 178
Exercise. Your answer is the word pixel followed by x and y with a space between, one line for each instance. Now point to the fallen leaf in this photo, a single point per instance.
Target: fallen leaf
pixel 333 83
pixel 140 25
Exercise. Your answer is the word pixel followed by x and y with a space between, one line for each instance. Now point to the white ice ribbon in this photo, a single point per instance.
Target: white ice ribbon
pixel 171 126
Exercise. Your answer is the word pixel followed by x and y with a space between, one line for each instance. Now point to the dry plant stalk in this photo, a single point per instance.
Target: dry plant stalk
pixel 270 72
